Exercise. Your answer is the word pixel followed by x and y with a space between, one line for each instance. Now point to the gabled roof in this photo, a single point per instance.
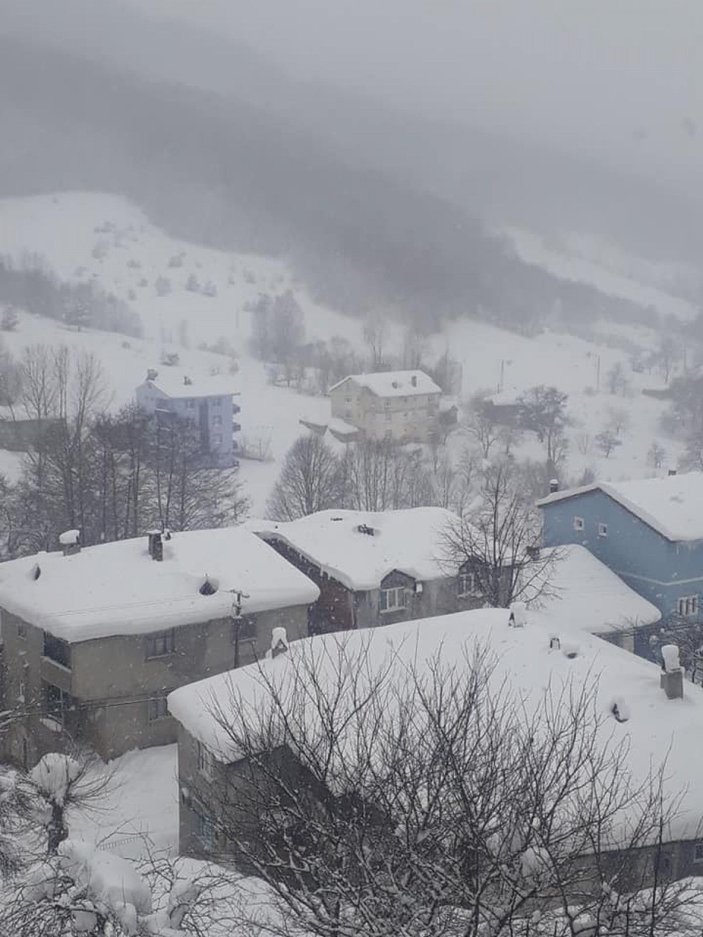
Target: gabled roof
pixel 410 541
pixel 393 383
pixel 172 382
pixel 672 505
pixel 583 595
pixel 117 589
pixel 657 728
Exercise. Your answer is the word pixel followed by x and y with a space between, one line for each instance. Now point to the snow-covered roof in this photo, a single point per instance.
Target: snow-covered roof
pixel 393 383
pixel 657 728
pixel 584 595
pixel 117 588
pixel 670 505
pixel 173 382
pixel 408 540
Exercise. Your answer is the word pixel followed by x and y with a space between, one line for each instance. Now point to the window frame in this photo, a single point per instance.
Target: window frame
pixel 56 650
pixel 157 709
pixel 204 827
pixel 602 529
pixel 579 523
pixel 56 709
pixel 698 851
pixel 204 760
pixel 169 638
pixel 384 607
pixel 473 590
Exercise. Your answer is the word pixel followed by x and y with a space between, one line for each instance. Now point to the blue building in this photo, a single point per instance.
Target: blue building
pixel 207 402
pixel 648 531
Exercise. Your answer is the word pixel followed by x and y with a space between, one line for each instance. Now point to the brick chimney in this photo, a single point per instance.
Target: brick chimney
pixel 156 545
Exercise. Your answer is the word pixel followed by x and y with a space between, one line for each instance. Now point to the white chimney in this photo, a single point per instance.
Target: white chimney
pixel 553 486
pixel 413 380
pixel 279 642
pixel 70 541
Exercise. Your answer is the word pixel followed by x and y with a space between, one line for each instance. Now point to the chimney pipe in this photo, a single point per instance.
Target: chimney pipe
pixel 553 486
pixel 671 472
pixel 413 380
pixel 152 374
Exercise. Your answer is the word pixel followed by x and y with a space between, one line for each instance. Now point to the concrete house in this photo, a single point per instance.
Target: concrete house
pixel 402 406
pixel 94 639
pixel 640 704
pixel 648 531
pixel 208 402
pixel 374 568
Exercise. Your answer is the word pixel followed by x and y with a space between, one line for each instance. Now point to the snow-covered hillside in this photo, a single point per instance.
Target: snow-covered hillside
pixel 83 236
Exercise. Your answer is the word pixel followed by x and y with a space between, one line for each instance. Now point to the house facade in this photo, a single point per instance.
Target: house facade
pixel 402 406
pixel 649 532
pixel 96 639
pixel 208 403
pixel 217 785
pixel 375 568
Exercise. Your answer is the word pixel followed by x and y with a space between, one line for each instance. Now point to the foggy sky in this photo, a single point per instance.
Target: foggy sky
pixel 620 80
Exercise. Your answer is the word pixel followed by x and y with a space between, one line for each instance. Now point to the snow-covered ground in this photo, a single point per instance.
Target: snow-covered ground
pixel 83 236
pixel 580 260
pixel 138 814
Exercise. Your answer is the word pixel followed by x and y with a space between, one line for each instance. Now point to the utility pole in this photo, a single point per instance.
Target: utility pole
pixel 236 615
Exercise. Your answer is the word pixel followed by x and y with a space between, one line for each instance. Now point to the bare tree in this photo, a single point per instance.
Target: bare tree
pixel 381 475
pixel 374 333
pixel 543 411
pixel 496 540
pixel 310 480
pixel 607 441
pixel 392 795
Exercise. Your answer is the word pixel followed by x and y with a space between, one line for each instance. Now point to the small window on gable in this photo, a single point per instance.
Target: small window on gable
pixel 602 529
pixel 205 762
pixel 578 523
pixel 698 851
pixel 467 583
pixel 21 630
pixel 393 599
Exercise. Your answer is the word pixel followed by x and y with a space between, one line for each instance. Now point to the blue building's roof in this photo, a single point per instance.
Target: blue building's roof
pixel 672 505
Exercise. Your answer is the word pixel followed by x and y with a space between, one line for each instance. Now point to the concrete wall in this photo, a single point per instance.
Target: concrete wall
pixel 653 566
pixel 403 419
pixel 112 679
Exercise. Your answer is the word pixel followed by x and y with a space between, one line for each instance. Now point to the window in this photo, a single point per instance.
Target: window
pixel 161 644
pixel 158 709
pixel 602 529
pixel 217 439
pixel 21 630
pixel 204 828
pixel 392 599
pixel 687 606
pixel 698 852
pixel 217 401
pixel 204 760
pixel 578 523
pixel 190 404
pixel 217 420
pixel 57 650
pixel 467 583
pixel 388 416
pixel 386 403
pixel 56 703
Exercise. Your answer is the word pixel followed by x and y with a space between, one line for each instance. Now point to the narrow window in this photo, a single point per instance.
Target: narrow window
pixel 21 630
pixel 204 827
pixel 602 529
pixel 467 583
pixel 204 758
pixel 698 852
pixel 578 523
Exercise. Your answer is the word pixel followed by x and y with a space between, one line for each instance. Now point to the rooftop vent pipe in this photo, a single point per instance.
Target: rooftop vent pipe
pixel 70 541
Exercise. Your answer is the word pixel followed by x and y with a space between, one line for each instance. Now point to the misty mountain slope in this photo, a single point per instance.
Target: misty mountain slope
pixel 499 177
pixel 225 173
pixel 113 244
